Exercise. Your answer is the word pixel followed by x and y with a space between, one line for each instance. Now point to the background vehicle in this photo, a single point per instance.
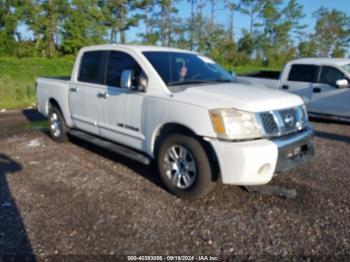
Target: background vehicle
pixel 322 83
pixel 181 109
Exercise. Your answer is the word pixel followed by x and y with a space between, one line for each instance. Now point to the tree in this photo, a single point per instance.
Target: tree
pixel 232 7
pixel 200 21
pixel 164 21
pixel 192 23
pixel 293 15
pixel 45 18
pixel 332 32
pixel 246 44
pixel 307 48
pixel 120 16
pixel 148 7
pixel 82 26
pixel 9 19
pixel 252 8
pixel 280 25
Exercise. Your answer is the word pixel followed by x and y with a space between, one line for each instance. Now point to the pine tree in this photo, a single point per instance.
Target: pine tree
pixel 83 26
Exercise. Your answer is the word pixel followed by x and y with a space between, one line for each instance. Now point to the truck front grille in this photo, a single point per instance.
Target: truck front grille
pixel 282 122
pixel 269 123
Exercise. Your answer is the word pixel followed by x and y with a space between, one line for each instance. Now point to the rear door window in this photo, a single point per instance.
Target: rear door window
pixel 117 63
pixel 303 73
pixel 92 67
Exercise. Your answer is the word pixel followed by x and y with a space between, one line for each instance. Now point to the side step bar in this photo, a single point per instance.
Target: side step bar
pixel 113 147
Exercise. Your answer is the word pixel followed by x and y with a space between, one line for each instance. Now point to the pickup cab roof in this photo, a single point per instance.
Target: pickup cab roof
pixel 135 48
pixel 322 61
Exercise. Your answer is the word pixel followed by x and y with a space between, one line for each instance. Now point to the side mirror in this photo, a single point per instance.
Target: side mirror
pixel 342 83
pixel 126 79
pixel 136 83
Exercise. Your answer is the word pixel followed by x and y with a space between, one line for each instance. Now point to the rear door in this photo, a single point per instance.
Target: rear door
pixel 122 119
pixel 85 105
pixel 327 98
pixel 300 80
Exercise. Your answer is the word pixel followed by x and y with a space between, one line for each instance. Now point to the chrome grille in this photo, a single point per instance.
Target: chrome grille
pixel 289 118
pixel 282 122
pixel 269 122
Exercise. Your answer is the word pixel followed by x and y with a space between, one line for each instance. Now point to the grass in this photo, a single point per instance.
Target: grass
pixel 17 77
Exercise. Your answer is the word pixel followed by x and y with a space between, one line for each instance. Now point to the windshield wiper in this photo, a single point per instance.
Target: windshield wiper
pixel 188 82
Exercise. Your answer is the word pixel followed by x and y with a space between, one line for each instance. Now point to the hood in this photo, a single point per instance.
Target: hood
pixel 240 96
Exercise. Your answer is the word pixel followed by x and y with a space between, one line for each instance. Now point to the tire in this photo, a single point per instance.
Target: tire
pixel 184 167
pixel 57 126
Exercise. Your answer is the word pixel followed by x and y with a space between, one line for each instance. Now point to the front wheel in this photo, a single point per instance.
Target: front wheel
pixel 184 167
pixel 57 125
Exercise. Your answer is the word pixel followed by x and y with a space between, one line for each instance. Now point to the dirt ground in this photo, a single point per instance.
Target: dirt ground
pixel 74 198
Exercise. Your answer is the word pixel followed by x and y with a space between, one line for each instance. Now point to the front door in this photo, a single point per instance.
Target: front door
pixel 122 119
pixel 327 97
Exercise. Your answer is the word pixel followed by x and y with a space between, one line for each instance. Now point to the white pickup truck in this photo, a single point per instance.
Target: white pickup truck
pixel 180 109
pixel 323 83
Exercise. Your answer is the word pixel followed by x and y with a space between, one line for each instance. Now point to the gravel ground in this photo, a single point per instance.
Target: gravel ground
pixel 75 198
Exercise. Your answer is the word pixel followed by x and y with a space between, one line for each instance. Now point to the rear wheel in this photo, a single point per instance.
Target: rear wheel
pixel 57 125
pixel 184 167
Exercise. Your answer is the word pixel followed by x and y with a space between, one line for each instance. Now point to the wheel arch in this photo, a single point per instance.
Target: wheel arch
pixel 53 102
pixel 171 128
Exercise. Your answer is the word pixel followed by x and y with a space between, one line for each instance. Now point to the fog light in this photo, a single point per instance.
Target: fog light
pixel 264 169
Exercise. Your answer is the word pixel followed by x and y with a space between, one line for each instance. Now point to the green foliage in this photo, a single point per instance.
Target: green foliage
pixel 279 23
pixel 274 35
pixel 17 78
pixel 9 19
pixel 81 27
pixel 120 16
pixel 252 8
pixel 45 19
pixel 332 32
pixel 307 48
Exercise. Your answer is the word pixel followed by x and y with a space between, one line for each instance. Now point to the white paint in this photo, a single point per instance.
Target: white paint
pixel 135 118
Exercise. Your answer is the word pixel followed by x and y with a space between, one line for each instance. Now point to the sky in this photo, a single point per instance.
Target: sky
pixel 242 21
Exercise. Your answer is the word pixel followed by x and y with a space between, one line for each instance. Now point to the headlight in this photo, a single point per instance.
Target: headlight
pixel 235 124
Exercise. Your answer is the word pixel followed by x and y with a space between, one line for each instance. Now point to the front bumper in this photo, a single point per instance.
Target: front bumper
pixel 295 150
pixel 255 162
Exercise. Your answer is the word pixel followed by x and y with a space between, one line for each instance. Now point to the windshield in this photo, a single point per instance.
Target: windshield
pixel 176 68
pixel 347 68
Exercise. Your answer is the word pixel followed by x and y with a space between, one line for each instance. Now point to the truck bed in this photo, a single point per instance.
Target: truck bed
pixel 59 78
pixel 56 88
pixel 264 78
pixel 263 74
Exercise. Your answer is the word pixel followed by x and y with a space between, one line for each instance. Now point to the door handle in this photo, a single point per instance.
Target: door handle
pixel 285 87
pixel 74 89
pixel 103 95
pixel 317 90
